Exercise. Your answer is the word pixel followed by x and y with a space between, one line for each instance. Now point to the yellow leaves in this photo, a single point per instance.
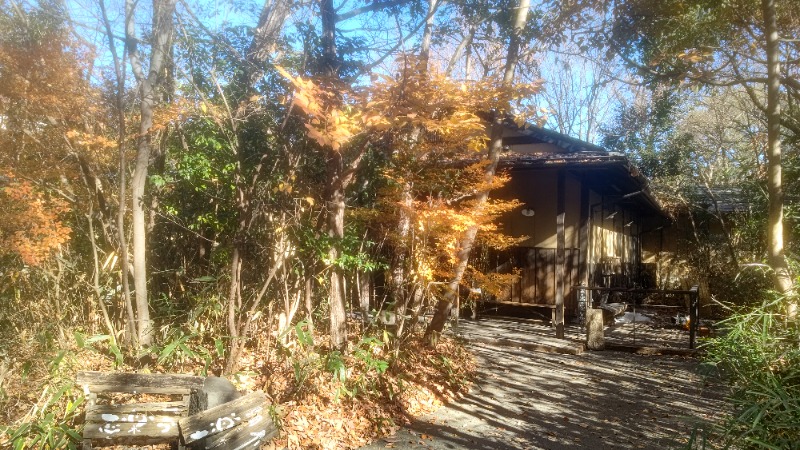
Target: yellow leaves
pixel 90 140
pixel 283 187
pixel 694 56
pixel 429 102
pixel 330 123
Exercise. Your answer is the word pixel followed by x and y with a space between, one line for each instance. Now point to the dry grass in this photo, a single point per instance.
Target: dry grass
pixel 315 410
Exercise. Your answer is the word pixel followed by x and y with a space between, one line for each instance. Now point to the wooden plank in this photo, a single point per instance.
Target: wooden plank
pixel 259 429
pixel 528 281
pixel 101 382
pixel 583 237
pixel 570 295
pixel 223 417
pixel 165 408
pixel 140 428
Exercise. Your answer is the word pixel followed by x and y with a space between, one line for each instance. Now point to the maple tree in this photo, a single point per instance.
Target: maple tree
pixel 498 110
pixel 33 228
pixel 45 147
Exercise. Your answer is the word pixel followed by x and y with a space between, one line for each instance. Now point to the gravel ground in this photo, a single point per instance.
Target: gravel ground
pixel 597 400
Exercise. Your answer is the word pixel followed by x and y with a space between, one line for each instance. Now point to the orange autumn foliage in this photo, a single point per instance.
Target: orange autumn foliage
pixel 31 227
pixel 329 122
pixel 433 128
pixel 50 114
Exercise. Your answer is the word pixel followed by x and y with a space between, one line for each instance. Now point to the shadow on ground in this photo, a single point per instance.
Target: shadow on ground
pixel 597 400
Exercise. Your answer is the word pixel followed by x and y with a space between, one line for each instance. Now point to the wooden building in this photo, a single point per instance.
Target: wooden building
pixel 585 214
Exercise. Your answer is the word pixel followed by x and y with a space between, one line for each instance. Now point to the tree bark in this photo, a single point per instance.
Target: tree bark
pixel 335 225
pixel 149 99
pixel 444 305
pixel 776 255
pixel 399 286
pixel 334 197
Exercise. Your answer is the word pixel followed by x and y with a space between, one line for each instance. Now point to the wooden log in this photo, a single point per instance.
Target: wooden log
pixel 99 382
pixel 222 418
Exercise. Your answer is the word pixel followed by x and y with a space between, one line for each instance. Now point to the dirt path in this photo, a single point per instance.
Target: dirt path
pixel 597 400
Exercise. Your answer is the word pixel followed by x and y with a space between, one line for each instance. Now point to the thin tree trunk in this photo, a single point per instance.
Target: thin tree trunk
pixel 96 280
pixel 463 45
pixel 148 93
pixel 399 288
pixel 776 255
pixel 445 304
pixel 119 71
pixel 308 294
pixel 425 44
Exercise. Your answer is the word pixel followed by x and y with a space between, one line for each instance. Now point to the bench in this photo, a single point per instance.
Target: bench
pixel 234 424
pixel 549 306
pixel 151 422
pixel 237 424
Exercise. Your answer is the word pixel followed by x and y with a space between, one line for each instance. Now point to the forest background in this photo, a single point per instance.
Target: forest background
pixel 215 187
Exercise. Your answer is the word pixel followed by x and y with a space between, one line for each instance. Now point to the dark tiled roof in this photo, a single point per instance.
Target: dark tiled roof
pixel 531 134
pixel 579 156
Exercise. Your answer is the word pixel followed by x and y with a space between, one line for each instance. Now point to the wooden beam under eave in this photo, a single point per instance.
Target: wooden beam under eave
pixel 560 254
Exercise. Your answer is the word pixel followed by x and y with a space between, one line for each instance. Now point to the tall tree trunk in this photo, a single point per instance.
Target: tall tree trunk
pixel 399 287
pixel 119 72
pixel 149 98
pixel 450 296
pixel 427 34
pixel 335 225
pixel 445 304
pixel 776 255
pixel 334 197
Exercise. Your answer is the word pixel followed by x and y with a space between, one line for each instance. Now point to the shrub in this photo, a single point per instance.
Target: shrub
pixel 758 353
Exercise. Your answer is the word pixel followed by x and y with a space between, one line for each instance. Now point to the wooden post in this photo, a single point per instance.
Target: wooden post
pixel 594 329
pixel 560 256
pixel 583 243
pixel 694 314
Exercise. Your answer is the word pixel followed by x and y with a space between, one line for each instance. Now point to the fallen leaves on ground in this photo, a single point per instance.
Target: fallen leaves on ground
pixel 313 408
pixel 317 414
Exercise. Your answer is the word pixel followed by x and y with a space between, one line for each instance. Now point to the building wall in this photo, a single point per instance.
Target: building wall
pixel 535 258
pixel 537 190
pixel 613 256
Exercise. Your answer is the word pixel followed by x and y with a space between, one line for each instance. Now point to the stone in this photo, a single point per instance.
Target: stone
pixel 216 391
